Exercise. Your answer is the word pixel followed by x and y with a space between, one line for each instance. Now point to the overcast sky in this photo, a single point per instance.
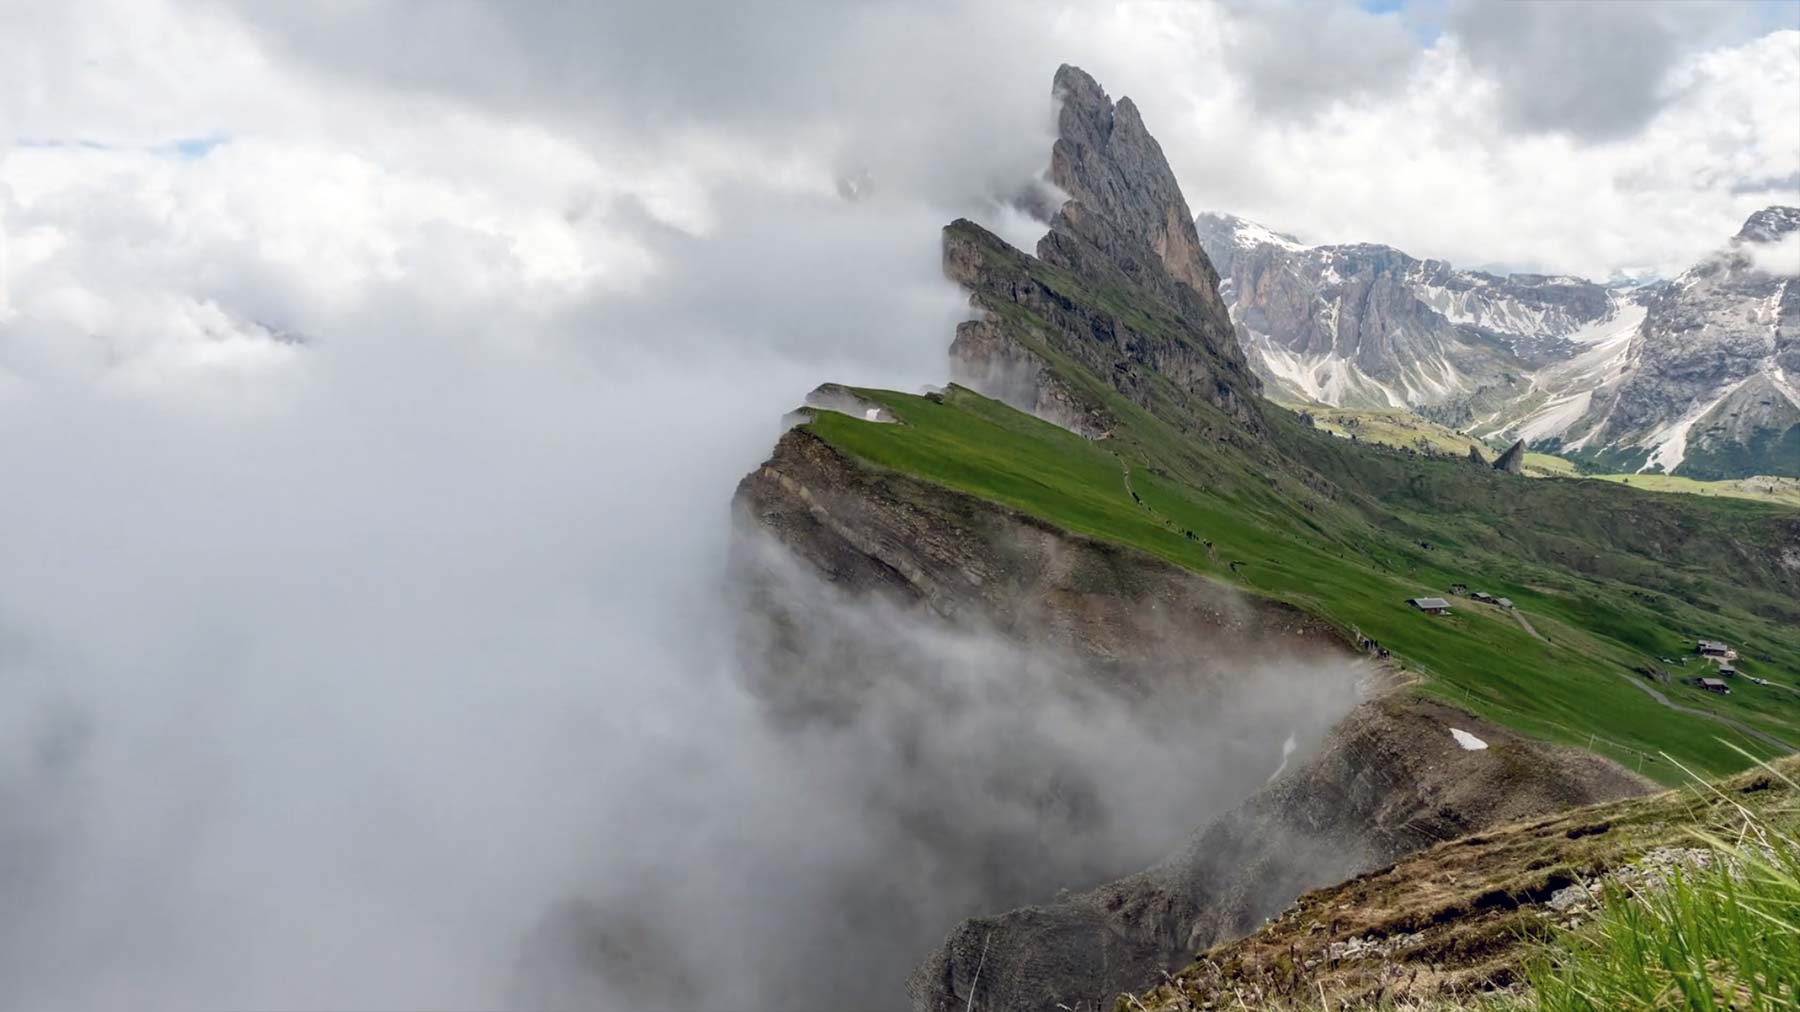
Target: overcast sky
pixel 173 172
pixel 374 379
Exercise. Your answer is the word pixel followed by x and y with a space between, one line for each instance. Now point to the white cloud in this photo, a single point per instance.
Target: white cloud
pixel 1434 168
pixel 1781 257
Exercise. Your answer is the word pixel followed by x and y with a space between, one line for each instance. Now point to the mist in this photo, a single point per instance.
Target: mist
pixel 404 664
pixel 361 697
pixel 396 657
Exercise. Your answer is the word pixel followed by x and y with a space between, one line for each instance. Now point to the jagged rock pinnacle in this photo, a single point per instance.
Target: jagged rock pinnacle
pixel 1106 160
pixel 1513 460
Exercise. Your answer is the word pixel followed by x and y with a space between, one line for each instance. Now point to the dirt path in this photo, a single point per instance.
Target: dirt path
pixel 1739 726
pixel 1516 613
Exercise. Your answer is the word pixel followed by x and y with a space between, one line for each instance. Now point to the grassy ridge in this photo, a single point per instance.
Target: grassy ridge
pixel 1685 900
pixel 1570 681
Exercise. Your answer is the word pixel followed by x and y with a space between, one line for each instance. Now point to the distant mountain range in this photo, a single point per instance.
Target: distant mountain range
pixel 1697 376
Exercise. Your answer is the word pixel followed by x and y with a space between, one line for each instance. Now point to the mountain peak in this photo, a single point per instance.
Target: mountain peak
pixel 1769 224
pixel 1105 159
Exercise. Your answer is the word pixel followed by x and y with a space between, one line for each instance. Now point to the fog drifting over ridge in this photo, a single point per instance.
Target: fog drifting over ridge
pixel 372 393
pixel 332 707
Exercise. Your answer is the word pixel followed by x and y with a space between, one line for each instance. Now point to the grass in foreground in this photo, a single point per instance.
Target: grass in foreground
pixel 1717 936
pixel 1687 901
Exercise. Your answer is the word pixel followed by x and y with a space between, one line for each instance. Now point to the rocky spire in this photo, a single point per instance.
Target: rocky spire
pixel 1513 460
pixel 1106 160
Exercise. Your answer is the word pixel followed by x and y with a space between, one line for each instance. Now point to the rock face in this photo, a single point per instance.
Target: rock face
pixel 1711 387
pixel 1137 621
pixel 1366 325
pixel 1119 284
pixel 1466 917
pixel 1699 376
pixel 1513 460
pixel 1107 162
pixel 1390 780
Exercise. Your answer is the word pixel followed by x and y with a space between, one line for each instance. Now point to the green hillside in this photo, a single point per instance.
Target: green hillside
pixel 1608 579
pixel 1405 430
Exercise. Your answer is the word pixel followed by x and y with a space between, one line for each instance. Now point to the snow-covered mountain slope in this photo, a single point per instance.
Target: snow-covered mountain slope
pixel 1711 383
pixel 1560 393
pixel 1698 376
pixel 1366 325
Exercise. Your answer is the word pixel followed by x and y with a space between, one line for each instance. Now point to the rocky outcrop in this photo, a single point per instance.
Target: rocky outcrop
pixel 1109 165
pixel 1138 621
pixel 1389 780
pixel 1146 348
pixel 989 357
pixel 1467 916
pixel 1119 286
pixel 1513 460
pixel 1365 325
pixel 1714 368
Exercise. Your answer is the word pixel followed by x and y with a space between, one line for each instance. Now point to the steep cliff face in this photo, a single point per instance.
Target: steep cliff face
pixel 1145 349
pixel 1138 622
pixel 1389 777
pixel 1698 376
pixel 1389 780
pixel 1107 162
pixel 1365 325
pixel 1715 367
pixel 1119 285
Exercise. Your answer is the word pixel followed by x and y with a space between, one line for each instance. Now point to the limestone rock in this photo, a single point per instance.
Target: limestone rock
pixel 1106 160
pixel 1712 388
pixel 1366 325
pixel 1513 460
pixel 1119 285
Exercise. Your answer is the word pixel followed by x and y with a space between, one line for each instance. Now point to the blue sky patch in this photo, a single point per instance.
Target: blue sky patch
pixel 194 148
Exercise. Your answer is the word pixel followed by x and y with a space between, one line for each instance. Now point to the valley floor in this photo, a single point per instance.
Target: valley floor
pixel 1407 431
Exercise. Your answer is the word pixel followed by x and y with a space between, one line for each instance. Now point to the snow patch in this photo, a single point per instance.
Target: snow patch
pixel 1326 378
pixel 1671 440
pixel 1249 233
pixel 1554 417
pixel 1287 751
pixel 1789 386
pixel 1480 308
pixel 1469 742
pixel 1606 350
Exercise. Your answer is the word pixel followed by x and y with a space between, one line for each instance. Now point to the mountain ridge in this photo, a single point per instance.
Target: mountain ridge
pixel 1121 421
pixel 1619 377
